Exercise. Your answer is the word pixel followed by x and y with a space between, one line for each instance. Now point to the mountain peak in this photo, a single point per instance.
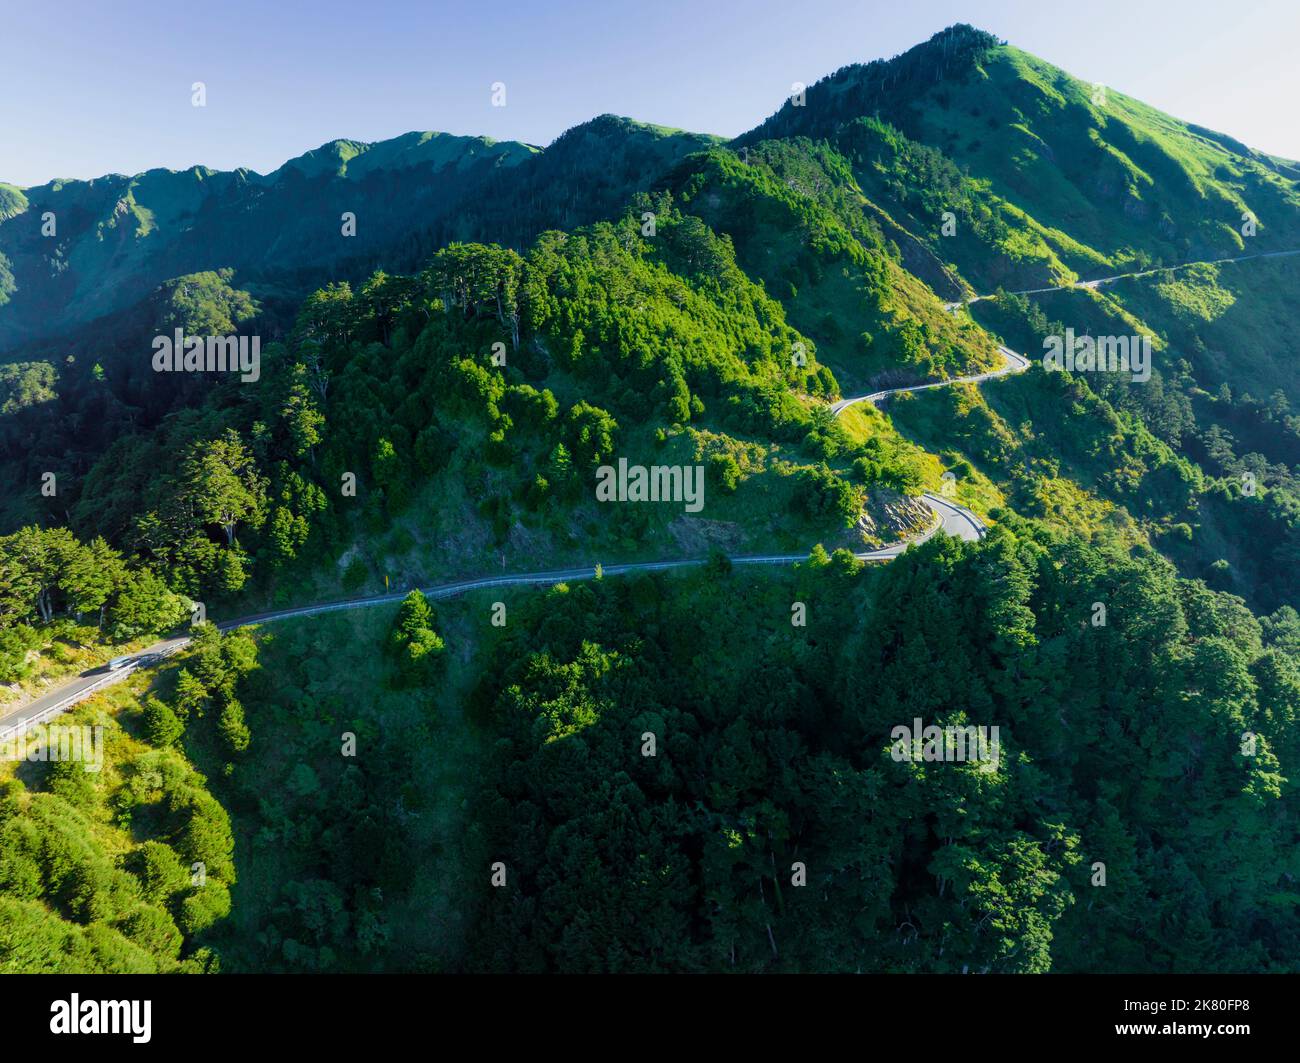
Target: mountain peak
pixel 881 86
pixel 608 125
pixel 355 158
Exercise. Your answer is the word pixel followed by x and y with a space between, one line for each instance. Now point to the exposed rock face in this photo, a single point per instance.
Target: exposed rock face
pixel 696 535
pixel 890 516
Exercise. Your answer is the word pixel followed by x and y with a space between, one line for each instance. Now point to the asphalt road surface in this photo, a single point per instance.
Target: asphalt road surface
pixel 1099 282
pixel 1011 363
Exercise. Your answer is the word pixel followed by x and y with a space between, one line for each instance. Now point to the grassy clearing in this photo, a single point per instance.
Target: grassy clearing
pixel 67 649
pixel 973 488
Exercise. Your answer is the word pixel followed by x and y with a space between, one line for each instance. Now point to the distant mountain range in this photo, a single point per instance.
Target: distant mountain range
pixel 1047 177
pixel 787 322
pixel 116 238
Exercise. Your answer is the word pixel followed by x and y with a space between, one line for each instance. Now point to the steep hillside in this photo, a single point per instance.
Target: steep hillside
pixel 1048 175
pixel 116 238
pixel 441 396
pixel 113 239
pixel 801 225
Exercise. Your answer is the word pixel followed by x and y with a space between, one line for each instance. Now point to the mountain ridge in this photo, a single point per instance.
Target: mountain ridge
pixel 438 405
pixel 287 219
pixel 1045 187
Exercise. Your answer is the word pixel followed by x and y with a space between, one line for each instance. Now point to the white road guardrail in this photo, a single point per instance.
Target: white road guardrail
pixel 19 729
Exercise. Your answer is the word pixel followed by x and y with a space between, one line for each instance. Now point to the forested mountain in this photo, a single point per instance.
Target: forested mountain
pixel 434 398
pixel 72 252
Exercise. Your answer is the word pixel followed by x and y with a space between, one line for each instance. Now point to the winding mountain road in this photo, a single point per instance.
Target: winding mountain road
pixel 1100 282
pixel 951 518
pixel 1013 363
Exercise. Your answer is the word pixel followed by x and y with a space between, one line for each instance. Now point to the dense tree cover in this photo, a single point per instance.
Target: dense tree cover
pixel 510 374
pixel 820 493
pixel 25 388
pixel 224 491
pixel 124 869
pixel 767 826
pixel 416 193
pixel 347 802
pixel 1230 415
pixel 413 643
pixel 72 400
pixel 641 292
pixel 773 750
pixel 801 225
pixel 47 572
pixel 203 304
pixel 1209 471
pixel 112 871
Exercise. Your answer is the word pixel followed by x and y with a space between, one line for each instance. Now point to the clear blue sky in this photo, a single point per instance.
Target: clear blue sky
pixel 89 87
